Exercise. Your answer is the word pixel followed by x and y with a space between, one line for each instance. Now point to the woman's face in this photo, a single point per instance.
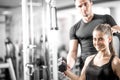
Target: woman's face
pixel 101 41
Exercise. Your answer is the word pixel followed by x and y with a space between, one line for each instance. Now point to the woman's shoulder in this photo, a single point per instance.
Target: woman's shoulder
pixel 89 58
pixel 116 60
pixel 116 65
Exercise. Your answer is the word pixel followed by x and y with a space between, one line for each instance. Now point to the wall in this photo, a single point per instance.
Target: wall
pixel 2 36
pixel 115 12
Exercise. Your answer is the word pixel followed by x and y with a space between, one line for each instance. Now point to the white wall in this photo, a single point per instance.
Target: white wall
pixel 115 12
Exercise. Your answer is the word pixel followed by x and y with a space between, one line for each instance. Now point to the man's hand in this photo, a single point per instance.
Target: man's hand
pixel 115 29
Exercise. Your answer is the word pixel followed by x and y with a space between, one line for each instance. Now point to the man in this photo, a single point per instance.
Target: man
pixel 81 32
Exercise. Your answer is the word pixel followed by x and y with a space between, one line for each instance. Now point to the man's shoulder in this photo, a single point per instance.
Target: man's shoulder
pixel 101 15
pixel 77 24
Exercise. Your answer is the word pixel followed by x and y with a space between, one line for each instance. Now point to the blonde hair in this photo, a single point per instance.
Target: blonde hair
pixel 106 29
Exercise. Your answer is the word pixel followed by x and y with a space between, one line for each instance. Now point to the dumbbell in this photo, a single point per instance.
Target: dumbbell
pixel 62 64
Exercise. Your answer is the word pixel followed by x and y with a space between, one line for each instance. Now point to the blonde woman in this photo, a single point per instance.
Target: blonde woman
pixel 104 65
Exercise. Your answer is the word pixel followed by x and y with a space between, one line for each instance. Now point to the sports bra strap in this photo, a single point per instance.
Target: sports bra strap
pixel 111 59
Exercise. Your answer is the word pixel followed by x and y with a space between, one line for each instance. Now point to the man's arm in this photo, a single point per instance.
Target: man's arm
pixel 115 29
pixel 72 55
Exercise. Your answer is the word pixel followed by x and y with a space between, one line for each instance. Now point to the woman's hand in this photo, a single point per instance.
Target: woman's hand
pixel 62 64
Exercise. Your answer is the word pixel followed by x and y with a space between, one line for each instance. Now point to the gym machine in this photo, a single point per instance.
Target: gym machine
pixel 31 65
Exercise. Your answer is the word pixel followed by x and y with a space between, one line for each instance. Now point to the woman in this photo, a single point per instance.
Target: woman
pixel 104 65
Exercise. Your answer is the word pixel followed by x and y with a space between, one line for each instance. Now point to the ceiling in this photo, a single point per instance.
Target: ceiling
pixel 64 4
pixel 9 3
pixel 60 4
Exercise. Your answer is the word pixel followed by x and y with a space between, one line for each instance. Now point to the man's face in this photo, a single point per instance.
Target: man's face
pixel 84 7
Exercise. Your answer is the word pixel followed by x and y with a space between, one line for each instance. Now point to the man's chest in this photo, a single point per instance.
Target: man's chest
pixel 85 29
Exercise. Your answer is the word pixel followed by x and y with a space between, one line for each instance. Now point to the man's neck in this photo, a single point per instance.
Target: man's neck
pixel 88 18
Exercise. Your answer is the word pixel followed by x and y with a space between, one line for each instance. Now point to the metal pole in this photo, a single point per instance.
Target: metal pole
pixel 25 38
pixel 51 16
pixel 54 32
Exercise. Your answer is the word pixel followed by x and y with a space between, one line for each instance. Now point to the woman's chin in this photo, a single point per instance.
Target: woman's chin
pixel 100 49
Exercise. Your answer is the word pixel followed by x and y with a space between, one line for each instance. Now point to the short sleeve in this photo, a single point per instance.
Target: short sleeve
pixel 110 20
pixel 72 33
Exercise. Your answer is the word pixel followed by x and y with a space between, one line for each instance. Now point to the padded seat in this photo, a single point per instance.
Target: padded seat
pixel 116 43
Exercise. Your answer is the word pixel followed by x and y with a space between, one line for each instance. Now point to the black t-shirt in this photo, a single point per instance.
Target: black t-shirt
pixel 83 33
pixel 104 72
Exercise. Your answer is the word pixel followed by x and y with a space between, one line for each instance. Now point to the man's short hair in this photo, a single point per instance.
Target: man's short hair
pixel 89 0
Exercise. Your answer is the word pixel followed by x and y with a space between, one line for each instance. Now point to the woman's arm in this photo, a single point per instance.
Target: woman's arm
pixel 116 66
pixel 72 76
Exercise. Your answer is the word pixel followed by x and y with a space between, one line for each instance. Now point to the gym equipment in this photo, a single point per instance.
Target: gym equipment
pixel 62 65
pixel 9 65
pixel 116 43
